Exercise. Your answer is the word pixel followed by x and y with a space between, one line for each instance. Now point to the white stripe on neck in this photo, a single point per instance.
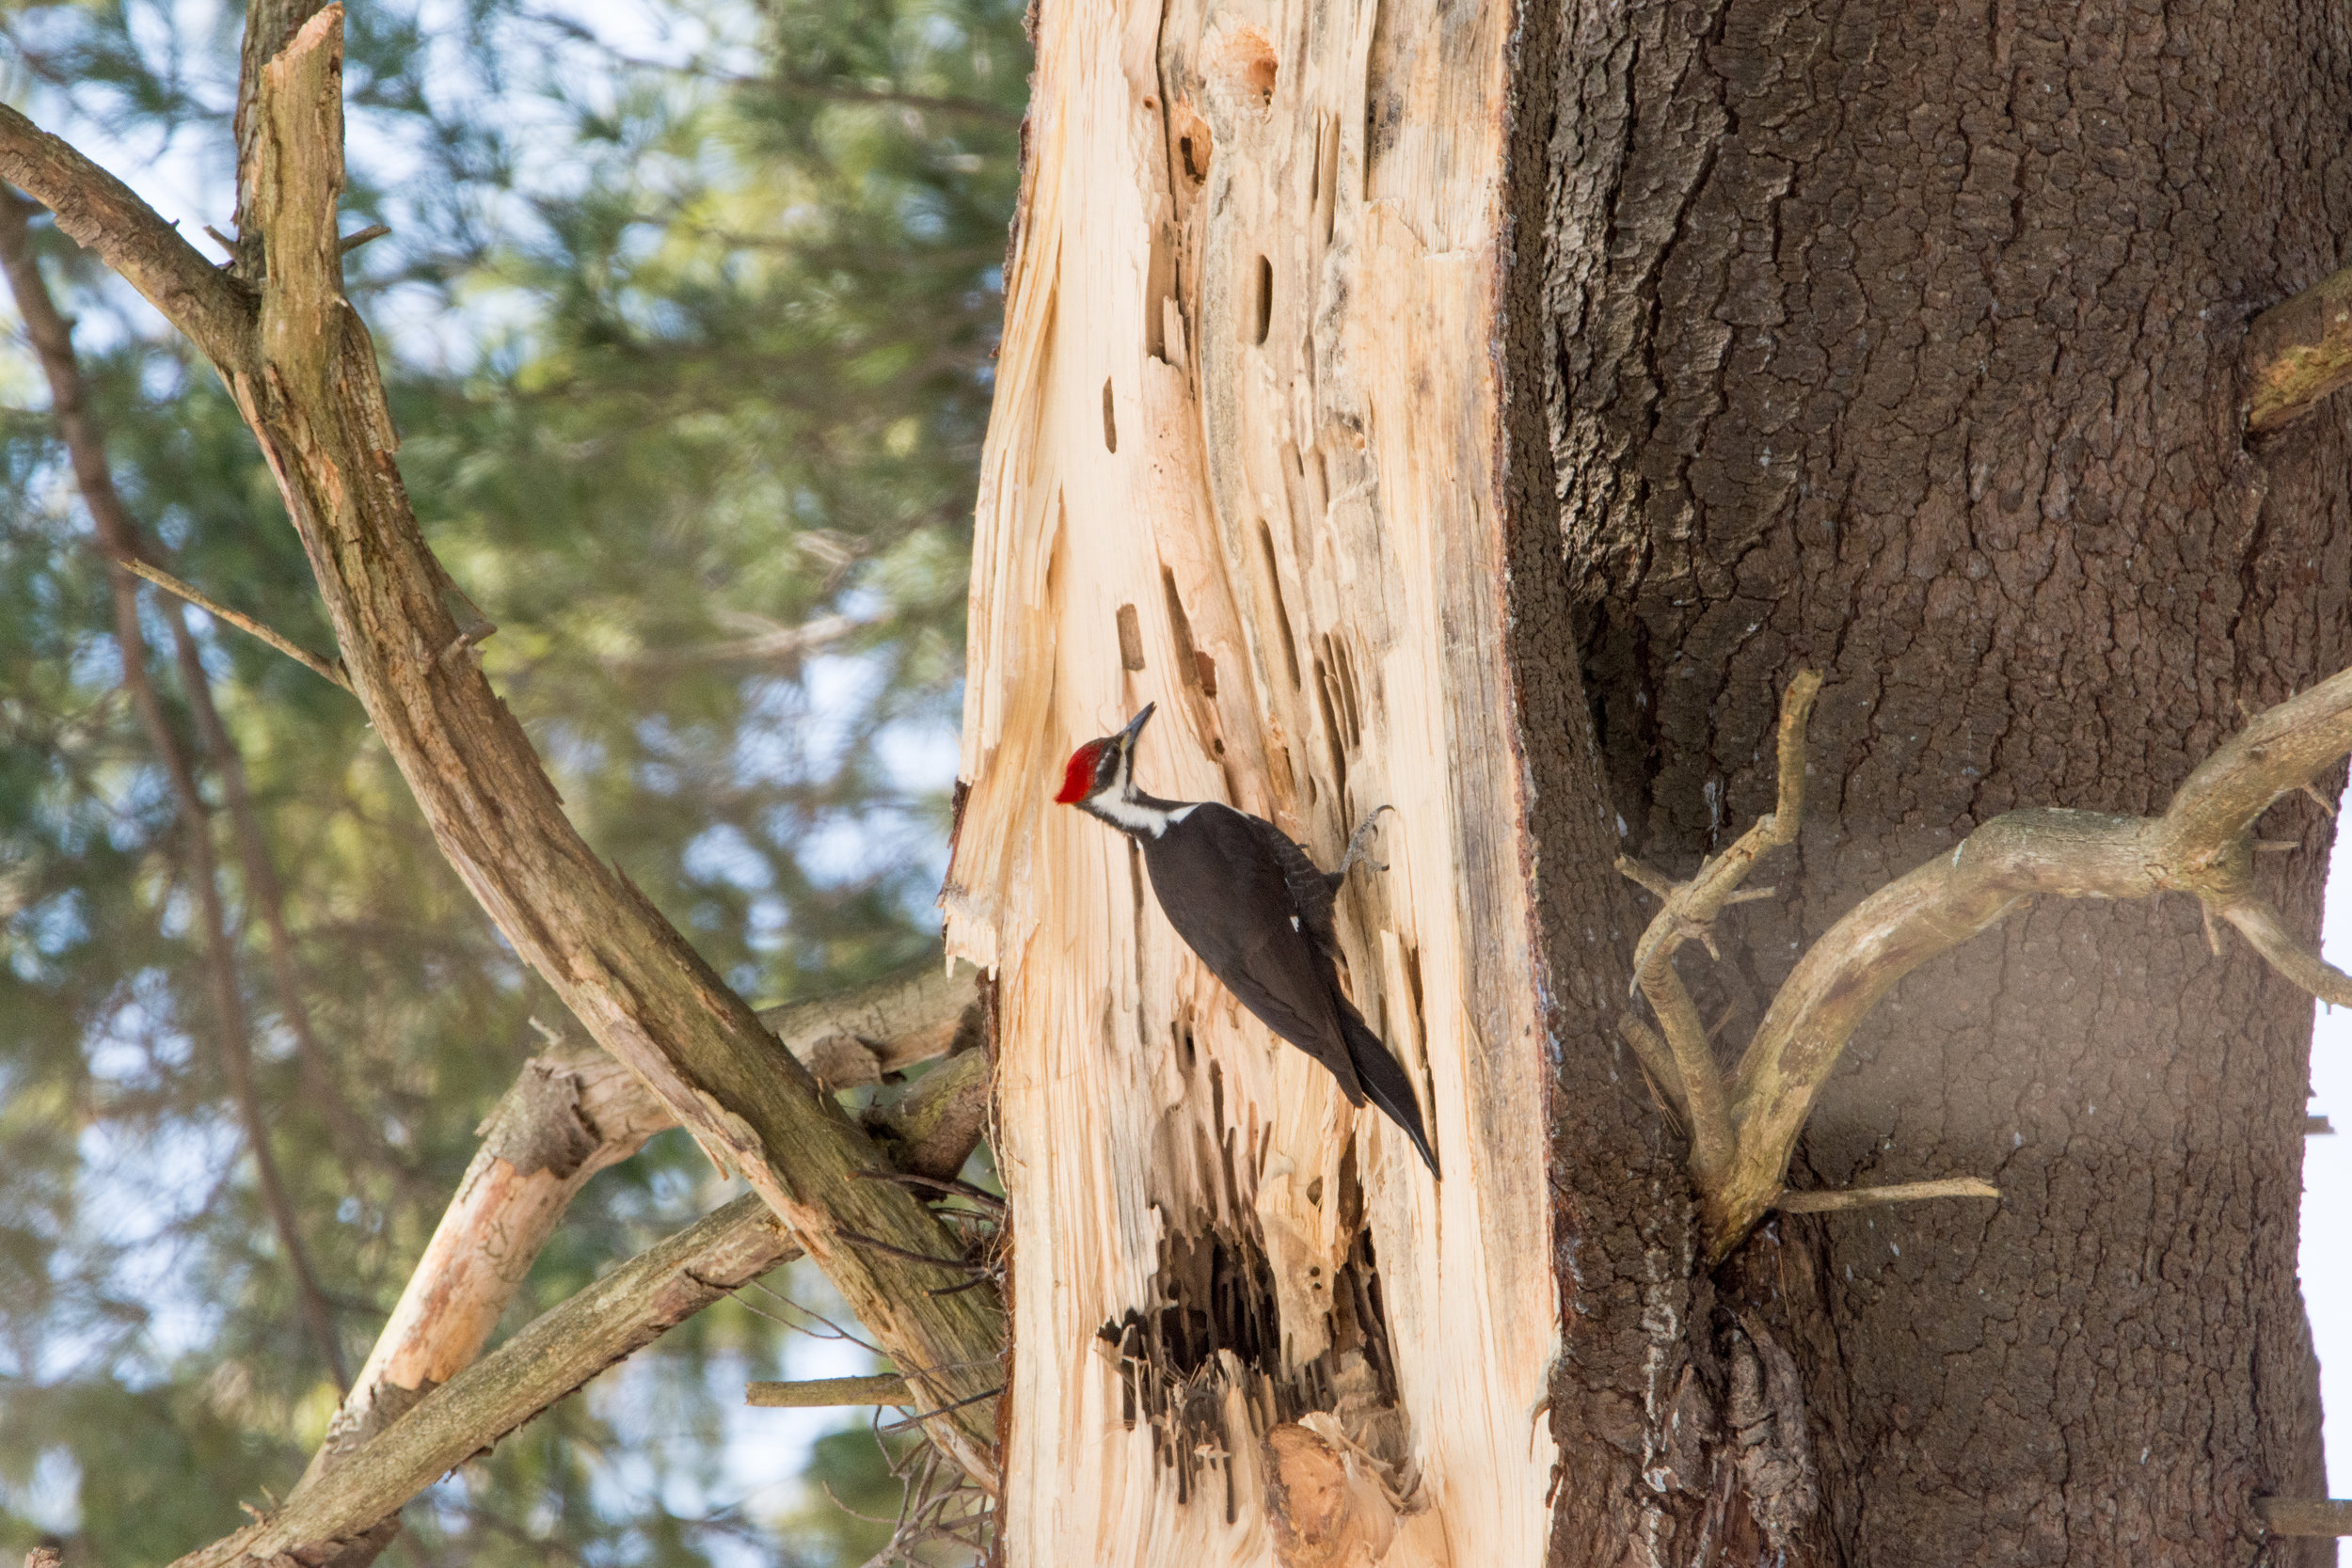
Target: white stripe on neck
pixel 1136 817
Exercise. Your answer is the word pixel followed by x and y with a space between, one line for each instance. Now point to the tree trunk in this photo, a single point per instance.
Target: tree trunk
pixel 1905 345
pixel 1245 462
pixel 1913 353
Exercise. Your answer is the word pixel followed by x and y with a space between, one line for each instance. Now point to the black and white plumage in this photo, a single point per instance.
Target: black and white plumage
pixel 1257 911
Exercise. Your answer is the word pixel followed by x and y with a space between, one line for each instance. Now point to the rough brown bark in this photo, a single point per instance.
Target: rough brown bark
pixel 1907 342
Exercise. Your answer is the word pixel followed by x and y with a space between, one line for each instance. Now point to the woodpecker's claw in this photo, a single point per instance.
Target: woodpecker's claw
pixel 1356 847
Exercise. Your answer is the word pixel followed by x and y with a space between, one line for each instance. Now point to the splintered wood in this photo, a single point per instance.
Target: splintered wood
pixel 1241 463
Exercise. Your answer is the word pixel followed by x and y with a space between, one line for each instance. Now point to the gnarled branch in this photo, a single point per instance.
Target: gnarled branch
pixel 565 1118
pixel 2202 845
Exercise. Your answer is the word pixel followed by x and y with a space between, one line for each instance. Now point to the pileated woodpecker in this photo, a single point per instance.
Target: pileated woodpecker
pixel 1257 911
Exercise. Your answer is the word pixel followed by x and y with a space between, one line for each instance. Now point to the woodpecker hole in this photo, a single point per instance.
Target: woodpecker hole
pixel 1179 626
pixel 1332 735
pixel 1129 637
pixel 1214 1327
pixel 1110 421
pixel 1251 66
pixel 1265 300
pixel 1206 668
pixel 1281 611
pixel 1327 174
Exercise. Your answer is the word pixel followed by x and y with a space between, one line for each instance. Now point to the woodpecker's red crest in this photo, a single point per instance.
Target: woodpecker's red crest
pixel 1094 767
pixel 1078 781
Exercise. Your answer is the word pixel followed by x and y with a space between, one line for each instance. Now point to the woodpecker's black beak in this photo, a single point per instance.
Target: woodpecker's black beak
pixel 1134 731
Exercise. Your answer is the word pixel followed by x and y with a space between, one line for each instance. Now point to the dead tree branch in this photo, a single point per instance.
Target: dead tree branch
pixel 2297 352
pixel 325 669
pixel 570 1114
pixel 2203 846
pixel 304 374
pixel 819 1393
pixel 551 1357
pixel 1688 911
pixel 423 1404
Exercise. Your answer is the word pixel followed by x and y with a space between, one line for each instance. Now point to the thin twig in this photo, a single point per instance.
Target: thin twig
pixel 945 1409
pixel 877 1245
pixel 325 669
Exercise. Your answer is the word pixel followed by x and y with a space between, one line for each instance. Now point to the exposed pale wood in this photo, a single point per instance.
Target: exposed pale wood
pixel 1297 519
pixel 305 376
pixel 555 1354
pixel 2297 352
pixel 566 1118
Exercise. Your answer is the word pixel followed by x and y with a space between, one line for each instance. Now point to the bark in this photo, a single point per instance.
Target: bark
pixel 1907 343
pixel 303 371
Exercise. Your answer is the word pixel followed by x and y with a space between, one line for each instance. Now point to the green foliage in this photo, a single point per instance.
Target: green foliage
pixel 689 337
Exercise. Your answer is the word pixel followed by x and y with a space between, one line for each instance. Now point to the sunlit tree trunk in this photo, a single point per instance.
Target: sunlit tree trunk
pixel 1486 413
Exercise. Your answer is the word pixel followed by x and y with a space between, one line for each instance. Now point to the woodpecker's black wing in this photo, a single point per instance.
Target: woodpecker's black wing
pixel 1224 891
pixel 1312 889
pixel 1257 911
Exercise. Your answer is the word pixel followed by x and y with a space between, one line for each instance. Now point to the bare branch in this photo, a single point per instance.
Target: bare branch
pixel 325 669
pixel 619 1314
pixel 103 216
pixel 884 1388
pixel 2320 1516
pixel 2296 353
pixel 1696 903
pixel 2257 920
pixel 1870 1197
pixel 1687 910
pixel 403 1423
pixel 574 1113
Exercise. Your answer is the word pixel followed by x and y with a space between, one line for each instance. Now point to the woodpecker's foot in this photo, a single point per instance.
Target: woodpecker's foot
pixel 1355 848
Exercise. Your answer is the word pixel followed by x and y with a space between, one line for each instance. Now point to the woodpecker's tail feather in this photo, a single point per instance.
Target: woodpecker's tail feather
pixel 1385 1081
